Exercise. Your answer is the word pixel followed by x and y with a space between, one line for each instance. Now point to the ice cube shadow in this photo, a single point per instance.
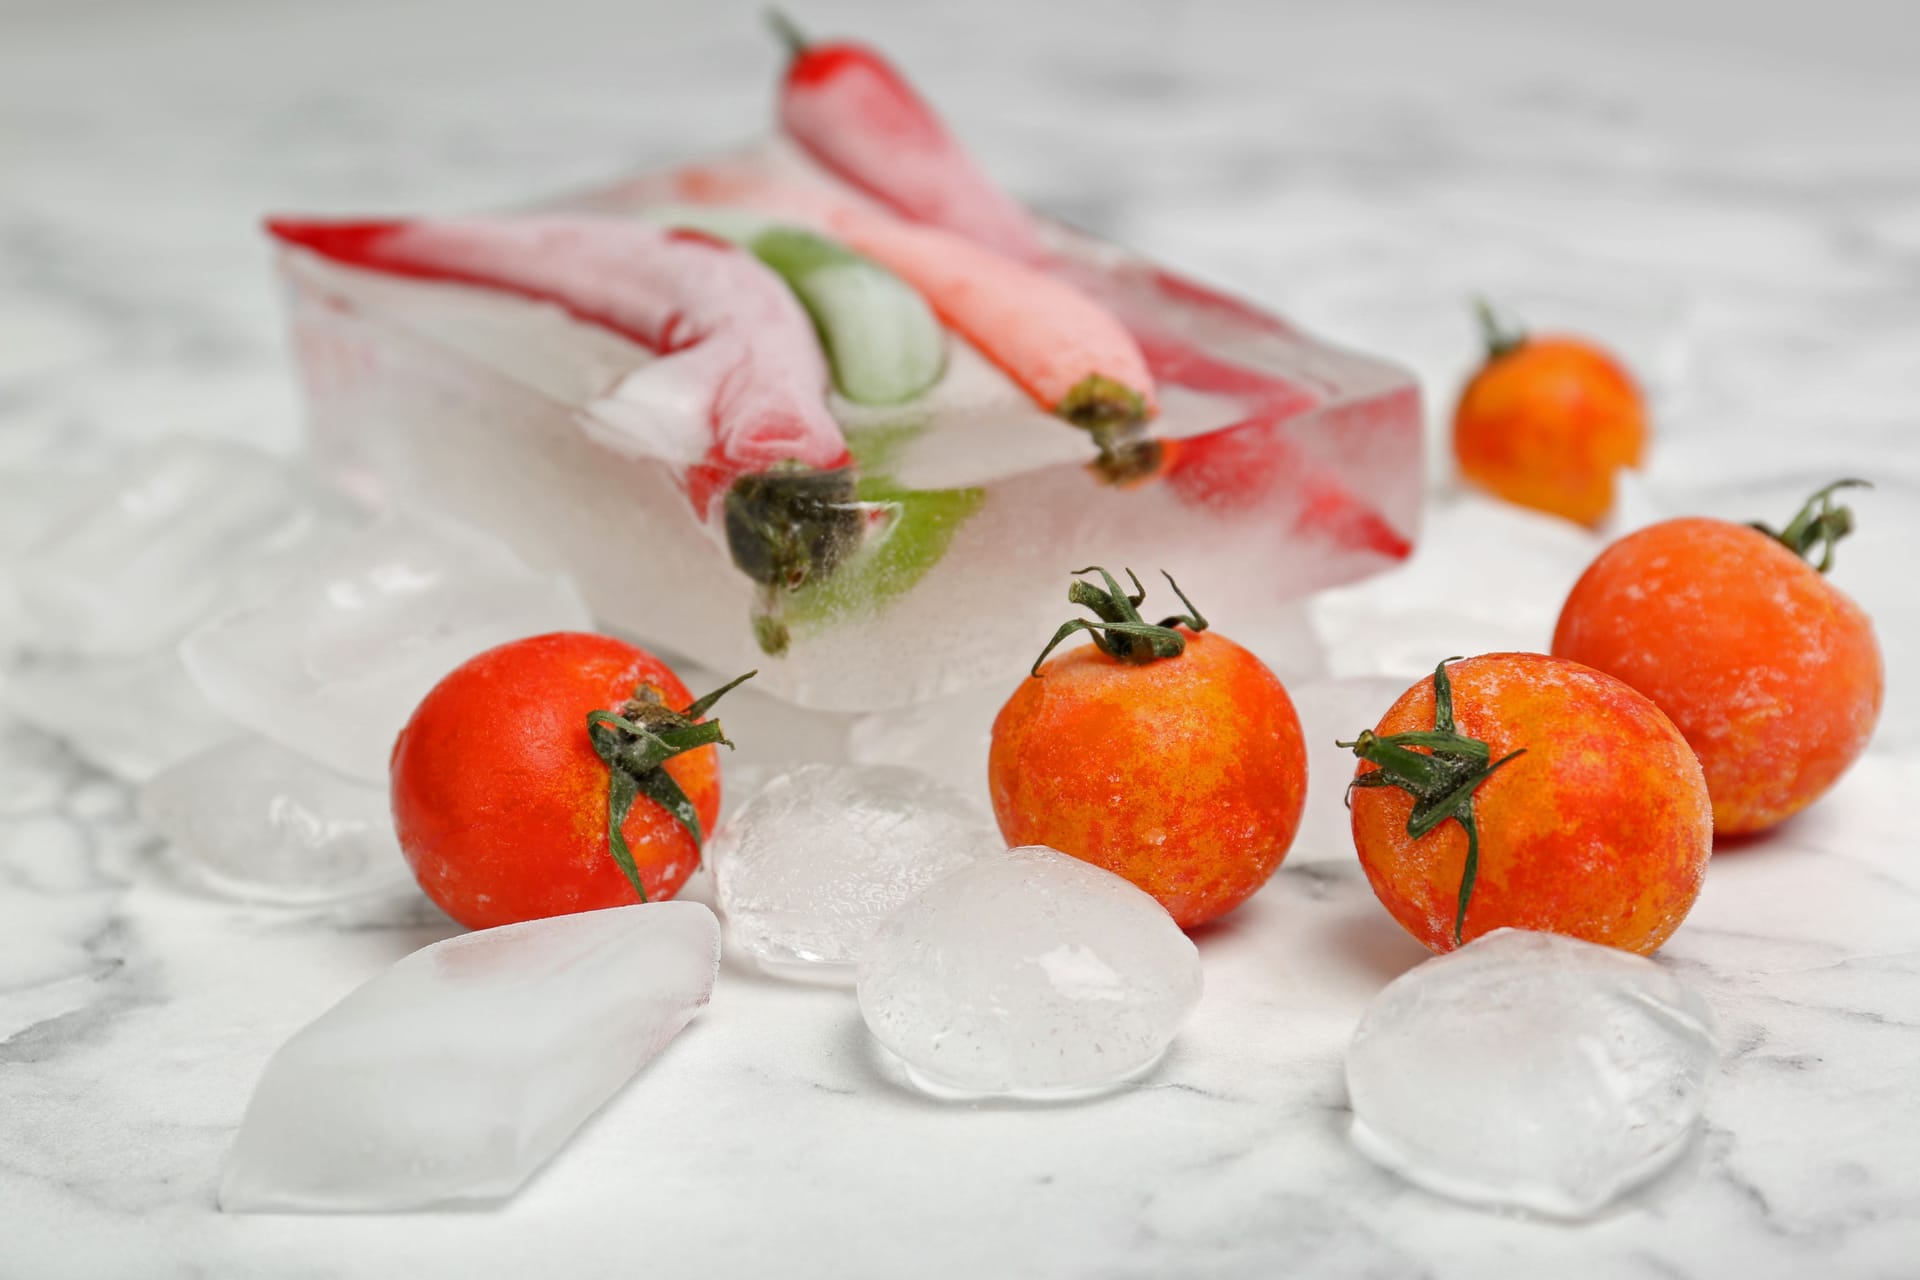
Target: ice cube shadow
pixel 880 1071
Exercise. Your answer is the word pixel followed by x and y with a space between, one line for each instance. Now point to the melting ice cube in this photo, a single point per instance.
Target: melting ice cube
pixel 251 819
pixel 809 867
pixel 1286 465
pixel 1028 974
pixel 459 1071
pixel 333 662
pixel 1530 1070
pixel 133 717
pixel 170 533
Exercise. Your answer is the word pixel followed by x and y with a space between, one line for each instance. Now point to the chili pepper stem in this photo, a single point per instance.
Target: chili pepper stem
pixel 788 31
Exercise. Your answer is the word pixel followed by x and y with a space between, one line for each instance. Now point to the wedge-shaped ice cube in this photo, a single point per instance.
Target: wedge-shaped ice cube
pixel 334 660
pixel 1531 1071
pixel 1028 974
pixel 132 716
pixel 809 867
pixel 166 537
pixel 459 1071
pixel 251 819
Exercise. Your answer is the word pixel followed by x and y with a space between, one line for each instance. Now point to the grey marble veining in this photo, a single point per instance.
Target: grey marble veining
pixel 1743 222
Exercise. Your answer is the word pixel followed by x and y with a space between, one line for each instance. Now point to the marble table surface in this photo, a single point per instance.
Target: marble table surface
pixel 1735 204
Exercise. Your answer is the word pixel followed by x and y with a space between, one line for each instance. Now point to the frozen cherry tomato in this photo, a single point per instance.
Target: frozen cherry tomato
pixel 1517 790
pixel 560 773
pixel 1772 672
pixel 1163 752
pixel 1548 422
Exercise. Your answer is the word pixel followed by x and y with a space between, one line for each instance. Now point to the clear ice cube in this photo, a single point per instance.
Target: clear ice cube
pixel 459 1071
pixel 1028 974
pixel 251 819
pixel 978 502
pixel 164 539
pixel 810 866
pixel 1531 1071
pixel 132 716
pixel 333 661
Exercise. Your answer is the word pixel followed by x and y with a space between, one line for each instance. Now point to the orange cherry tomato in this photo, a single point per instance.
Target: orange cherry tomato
pixel 1185 773
pixel 1773 674
pixel 500 799
pixel 1548 422
pixel 1598 828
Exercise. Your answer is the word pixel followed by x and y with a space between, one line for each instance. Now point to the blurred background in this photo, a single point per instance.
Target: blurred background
pixel 1726 193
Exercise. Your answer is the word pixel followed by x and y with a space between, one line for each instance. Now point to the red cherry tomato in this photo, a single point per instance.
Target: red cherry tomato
pixel 500 798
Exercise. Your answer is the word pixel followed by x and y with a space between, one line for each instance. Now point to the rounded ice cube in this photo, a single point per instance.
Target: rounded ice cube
pixel 809 867
pixel 332 662
pixel 253 820
pixel 1532 1071
pixel 1028 974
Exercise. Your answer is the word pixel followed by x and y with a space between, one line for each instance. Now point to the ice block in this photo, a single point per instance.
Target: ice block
pixel 565 377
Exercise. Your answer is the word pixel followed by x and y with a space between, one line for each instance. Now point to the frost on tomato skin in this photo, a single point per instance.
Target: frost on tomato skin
pixel 1773 674
pixel 500 800
pixel 1548 422
pixel 1600 831
pixel 1184 773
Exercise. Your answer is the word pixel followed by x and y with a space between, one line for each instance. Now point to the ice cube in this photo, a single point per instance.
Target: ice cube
pixel 164 538
pixel 1334 711
pixel 978 501
pixel 458 1072
pixel 132 716
pixel 1532 1071
pixel 811 865
pixel 251 819
pixel 334 660
pixel 1028 974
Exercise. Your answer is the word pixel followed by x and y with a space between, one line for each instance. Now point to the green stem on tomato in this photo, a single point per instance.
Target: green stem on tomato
pixel 1820 522
pixel 635 743
pixel 1499 338
pixel 1442 780
pixel 1117 628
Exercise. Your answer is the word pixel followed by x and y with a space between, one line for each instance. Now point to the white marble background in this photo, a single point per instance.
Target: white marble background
pixel 1732 195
